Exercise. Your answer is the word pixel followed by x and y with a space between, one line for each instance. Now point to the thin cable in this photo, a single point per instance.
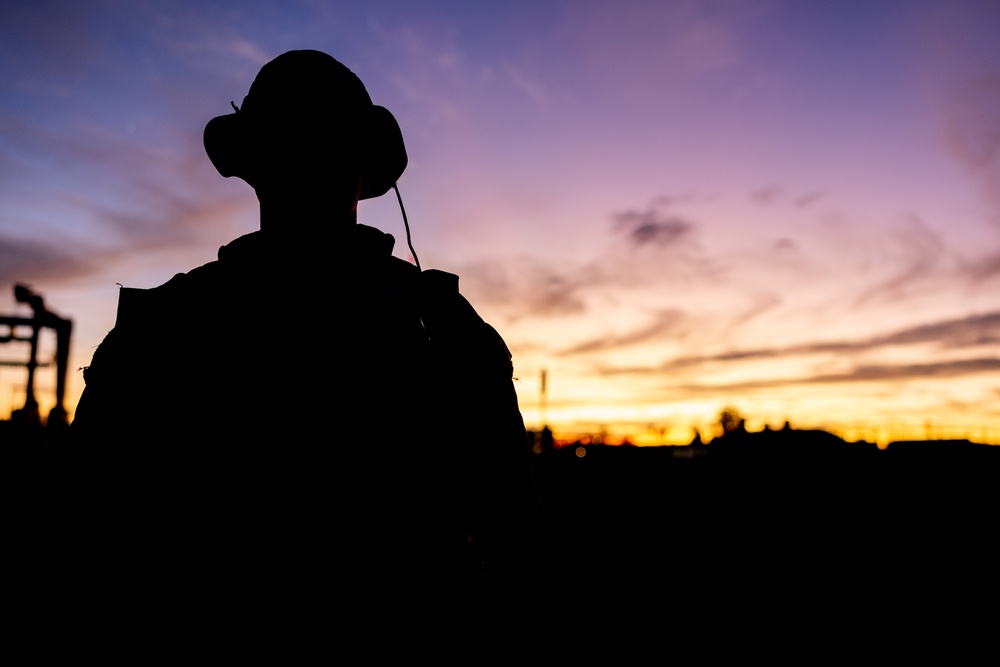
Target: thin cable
pixel 407 225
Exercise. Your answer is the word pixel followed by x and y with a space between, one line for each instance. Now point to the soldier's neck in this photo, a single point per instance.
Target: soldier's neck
pixel 290 218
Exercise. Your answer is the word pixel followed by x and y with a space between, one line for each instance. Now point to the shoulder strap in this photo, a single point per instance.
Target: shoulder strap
pixel 448 316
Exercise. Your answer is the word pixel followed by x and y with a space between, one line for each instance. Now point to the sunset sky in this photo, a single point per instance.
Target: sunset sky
pixel 788 207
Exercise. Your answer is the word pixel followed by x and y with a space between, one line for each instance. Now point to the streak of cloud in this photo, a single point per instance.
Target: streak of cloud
pixel 922 252
pixel 974 330
pixel 809 198
pixel 24 260
pixel 652 227
pixel 963 332
pixel 768 195
pixel 864 373
pixel 528 287
pixel 973 134
pixel 664 326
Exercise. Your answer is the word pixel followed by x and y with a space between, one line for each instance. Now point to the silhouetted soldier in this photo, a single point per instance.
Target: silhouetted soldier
pixel 310 414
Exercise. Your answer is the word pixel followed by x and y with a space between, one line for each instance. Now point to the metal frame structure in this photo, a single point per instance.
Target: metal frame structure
pixel 41 318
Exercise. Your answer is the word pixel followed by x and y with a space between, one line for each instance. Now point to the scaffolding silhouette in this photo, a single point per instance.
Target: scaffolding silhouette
pixel 41 318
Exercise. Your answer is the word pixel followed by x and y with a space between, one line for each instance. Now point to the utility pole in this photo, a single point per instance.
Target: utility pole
pixel 543 399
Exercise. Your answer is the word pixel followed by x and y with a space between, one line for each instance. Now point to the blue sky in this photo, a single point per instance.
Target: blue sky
pixel 788 207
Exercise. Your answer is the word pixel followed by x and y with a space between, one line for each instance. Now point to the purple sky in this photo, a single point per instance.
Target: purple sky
pixel 790 207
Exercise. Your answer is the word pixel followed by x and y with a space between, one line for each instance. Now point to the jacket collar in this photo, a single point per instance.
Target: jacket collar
pixel 357 242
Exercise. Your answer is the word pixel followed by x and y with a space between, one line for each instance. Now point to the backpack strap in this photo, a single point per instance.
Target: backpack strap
pixel 451 321
pixel 473 368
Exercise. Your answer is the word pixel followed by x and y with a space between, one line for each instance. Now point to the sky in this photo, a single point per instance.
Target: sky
pixel 790 208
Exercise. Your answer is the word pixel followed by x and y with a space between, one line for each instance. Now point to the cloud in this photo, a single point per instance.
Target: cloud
pixel 528 287
pixel 25 261
pixel 963 332
pixel 768 195
pixel 983 329
pixel 774 194
pixel 910 371
pixel 804 200
pixel 62 48
pixel 921 252
pixel 134 194
pixel 533 286
pixel 652 227
pixel 972 134
pixel 10 167
pixel 984 268
pixel 694 40
pixel 666 324
pixel 866 373
pixel 193 36
pixel 947 334
pixel 533 89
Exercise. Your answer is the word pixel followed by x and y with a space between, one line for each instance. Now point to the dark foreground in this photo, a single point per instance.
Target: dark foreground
pixel 798 521
pixel 788 525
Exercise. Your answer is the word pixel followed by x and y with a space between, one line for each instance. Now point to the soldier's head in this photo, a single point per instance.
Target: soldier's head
pixel 308 126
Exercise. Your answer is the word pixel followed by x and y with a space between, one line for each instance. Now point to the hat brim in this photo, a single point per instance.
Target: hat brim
pixel 228 145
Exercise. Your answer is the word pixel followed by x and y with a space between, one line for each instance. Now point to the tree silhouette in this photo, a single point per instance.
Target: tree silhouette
pixel 730 419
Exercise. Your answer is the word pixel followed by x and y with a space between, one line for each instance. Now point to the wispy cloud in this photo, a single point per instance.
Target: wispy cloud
pixel 128 194
pixel 25 260
pixel 652 227
pixel 863 373
pixel 528 287
pixel 767 195
pixel 808 198
pixel 664 326
pixel 920 253
pixel 975 330
pixel 973 133
pixel 533 89
pixel 776 194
